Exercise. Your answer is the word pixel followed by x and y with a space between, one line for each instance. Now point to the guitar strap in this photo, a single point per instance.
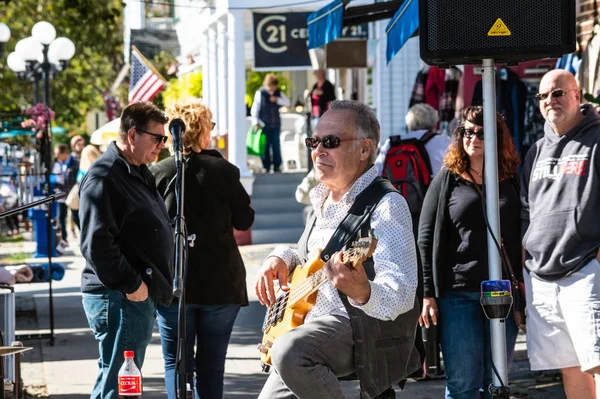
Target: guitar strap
pixel 357 216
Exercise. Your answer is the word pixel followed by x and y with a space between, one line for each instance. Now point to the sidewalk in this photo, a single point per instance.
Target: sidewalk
pixel 67 370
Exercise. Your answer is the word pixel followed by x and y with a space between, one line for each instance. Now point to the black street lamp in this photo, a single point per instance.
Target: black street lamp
pixel 39 58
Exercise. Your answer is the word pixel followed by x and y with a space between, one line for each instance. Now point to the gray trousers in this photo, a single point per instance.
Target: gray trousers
pixel 308 360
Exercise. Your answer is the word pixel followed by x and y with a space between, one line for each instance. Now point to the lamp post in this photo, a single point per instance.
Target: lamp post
pixel 4 36
pixel 39 58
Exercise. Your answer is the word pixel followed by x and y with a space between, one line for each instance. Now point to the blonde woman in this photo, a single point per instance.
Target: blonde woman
pixel 215 204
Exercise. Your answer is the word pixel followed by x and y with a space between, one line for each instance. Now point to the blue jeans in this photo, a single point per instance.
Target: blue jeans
pixel 465 339
pixel 118 325
pixel 273 144
pixel 209 326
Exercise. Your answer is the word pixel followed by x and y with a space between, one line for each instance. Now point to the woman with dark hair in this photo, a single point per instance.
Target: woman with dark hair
pixel 453 246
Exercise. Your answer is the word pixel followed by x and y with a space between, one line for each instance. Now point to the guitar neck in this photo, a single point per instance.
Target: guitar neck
pixel 307 287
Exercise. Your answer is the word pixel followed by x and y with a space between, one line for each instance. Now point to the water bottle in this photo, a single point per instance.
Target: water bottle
pixel 130 379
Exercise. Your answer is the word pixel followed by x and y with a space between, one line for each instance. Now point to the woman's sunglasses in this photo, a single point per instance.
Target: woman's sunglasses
pixel 329 142
pixel 554 93
pixel 470 134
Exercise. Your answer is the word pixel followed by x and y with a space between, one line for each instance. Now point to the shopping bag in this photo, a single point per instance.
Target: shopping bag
pixel 256 142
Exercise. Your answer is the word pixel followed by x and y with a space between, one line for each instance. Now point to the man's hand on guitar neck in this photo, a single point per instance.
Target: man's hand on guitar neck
pixel 351 281
pixel 272 269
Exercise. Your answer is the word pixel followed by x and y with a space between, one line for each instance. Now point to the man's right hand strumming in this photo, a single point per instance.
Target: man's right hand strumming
pixel 272 269
pixel 140 295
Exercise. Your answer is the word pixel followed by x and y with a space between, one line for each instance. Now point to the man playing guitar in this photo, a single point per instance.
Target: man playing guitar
pixel 364 321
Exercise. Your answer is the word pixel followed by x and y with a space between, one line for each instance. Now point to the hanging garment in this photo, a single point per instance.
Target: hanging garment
pixel 511 95
pixel 589 69
pixel 418 92
pixel 569 62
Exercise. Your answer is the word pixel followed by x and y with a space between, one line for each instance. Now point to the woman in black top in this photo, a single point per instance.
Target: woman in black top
pixel 453 247
pixel 215 203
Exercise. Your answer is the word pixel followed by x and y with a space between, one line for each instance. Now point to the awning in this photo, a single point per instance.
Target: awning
pixel 401 27
pixel 325 25
pixel 9 134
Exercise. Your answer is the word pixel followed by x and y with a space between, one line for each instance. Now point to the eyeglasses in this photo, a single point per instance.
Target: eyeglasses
pixel 554 93
pixel 329 142
pixel 157 137
pixel 470 134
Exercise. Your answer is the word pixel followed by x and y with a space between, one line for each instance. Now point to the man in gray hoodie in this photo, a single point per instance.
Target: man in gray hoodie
pixel 561 220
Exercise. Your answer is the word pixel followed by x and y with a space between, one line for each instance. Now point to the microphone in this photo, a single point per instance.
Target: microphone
pixel 177 128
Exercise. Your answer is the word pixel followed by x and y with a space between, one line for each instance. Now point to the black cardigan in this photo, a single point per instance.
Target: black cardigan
pixel 215 203
pixel 432 227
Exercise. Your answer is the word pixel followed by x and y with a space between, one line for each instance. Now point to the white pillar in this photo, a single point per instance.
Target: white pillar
pixel 205 69
pixel 213 66
pixel 134 18
pixel 236 93
pixel 222 62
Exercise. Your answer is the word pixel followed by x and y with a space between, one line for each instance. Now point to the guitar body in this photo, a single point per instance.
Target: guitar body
pixel 291 307
pixel 293 314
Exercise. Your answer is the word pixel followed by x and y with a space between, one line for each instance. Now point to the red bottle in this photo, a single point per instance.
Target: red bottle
pixel 130 379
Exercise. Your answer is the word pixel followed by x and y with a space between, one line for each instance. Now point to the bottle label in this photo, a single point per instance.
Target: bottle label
pixel 130 385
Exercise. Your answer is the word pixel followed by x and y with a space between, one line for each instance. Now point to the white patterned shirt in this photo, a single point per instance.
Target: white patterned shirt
pixel 394 287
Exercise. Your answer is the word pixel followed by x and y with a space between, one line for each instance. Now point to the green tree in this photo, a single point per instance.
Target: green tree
pixel 96 29
pixel 186 86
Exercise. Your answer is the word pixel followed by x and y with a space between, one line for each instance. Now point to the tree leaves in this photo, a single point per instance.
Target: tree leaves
pixel 96 29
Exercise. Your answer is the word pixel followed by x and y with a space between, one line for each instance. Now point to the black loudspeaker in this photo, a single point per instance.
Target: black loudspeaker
pixel 455 32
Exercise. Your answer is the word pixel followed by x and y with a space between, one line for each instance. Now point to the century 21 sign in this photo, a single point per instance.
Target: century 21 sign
pixel 280 40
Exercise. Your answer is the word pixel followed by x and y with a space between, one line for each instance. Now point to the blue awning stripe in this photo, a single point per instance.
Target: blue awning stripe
pixel 326 13
pixel 397 17
pixel 401 27
pixel 326 24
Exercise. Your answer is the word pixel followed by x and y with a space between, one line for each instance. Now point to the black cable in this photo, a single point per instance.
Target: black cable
pixel 489 229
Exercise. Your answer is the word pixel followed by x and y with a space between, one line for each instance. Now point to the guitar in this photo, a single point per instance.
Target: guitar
pixel 291 307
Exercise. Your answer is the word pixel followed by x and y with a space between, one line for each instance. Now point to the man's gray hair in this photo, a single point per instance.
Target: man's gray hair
pixel 367 125
pixel 421 117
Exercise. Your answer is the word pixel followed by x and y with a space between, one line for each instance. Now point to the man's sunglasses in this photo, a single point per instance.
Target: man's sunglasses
pixel 329 142
pixel 554 93
pixel 470 134
pixel 157 137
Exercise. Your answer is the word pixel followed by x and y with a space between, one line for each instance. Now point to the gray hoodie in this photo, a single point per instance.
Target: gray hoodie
pixel 560 192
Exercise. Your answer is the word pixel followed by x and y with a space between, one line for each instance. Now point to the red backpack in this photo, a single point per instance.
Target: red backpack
pixel 408 168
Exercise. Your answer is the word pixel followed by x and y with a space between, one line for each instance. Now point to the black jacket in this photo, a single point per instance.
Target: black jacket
pixel 125 231
pixel 432 242
pixel 215 203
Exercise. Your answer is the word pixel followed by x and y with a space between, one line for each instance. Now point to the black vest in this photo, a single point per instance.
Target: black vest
pixel 385 351
pixel 269 112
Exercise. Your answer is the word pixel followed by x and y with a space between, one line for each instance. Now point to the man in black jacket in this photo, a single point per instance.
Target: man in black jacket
pixel 127 242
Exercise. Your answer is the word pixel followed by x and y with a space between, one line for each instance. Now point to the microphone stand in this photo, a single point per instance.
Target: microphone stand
pixel 181 249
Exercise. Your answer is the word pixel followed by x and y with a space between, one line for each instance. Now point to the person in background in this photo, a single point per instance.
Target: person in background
pixel 321 95
pixel 265 114
pixel 560 192
pixel 420 119
pixel 65 170
pixel 215 287
pixel 453 246
pixel 127 242
pixel 88 156
pixel 77 145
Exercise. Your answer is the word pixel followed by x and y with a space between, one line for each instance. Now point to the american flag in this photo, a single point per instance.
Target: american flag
pixel 144 83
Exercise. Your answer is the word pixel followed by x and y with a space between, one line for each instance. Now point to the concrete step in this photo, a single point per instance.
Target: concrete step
pixel 280 190
pixel 277 178
pixel 284 235
pixel 276 205
pixel 278 220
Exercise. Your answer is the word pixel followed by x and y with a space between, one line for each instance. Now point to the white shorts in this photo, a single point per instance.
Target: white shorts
pixel 563 320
